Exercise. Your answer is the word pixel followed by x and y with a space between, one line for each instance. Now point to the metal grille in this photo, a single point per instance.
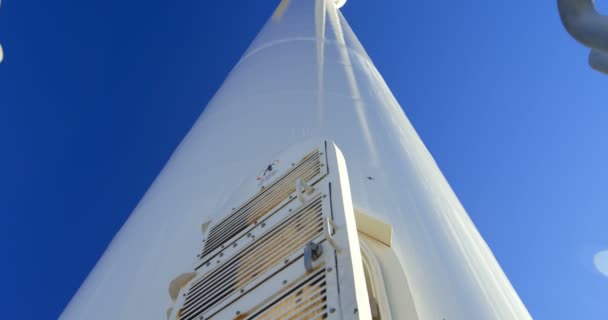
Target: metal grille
pixel 263 202
pixel 306 301
pixel 254 260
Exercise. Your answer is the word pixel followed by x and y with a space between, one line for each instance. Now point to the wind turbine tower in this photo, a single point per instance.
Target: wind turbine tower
pixel 301 192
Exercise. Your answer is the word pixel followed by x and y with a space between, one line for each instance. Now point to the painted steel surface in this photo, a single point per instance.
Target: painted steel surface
pixel 305 75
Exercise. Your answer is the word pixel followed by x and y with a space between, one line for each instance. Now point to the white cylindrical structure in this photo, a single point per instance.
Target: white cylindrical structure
pixel 305 75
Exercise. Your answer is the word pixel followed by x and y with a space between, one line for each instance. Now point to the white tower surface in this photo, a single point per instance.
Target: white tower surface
pixel 306 76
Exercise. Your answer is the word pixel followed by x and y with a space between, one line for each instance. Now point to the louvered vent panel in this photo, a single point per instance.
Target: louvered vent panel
pixel 254 260
pixel 288 253
pixel 268 198
pixel 306 301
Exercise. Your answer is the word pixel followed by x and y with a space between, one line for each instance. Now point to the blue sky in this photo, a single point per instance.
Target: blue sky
pixel 95 95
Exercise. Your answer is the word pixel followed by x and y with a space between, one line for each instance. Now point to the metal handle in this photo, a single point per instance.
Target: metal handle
pixel 328 228
pixel 312 252
pixel 302 189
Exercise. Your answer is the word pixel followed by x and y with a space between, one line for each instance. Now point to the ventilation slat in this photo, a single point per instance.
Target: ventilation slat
pixel 255 259
pixel 267 199
pixel 306 301
pixel 305 165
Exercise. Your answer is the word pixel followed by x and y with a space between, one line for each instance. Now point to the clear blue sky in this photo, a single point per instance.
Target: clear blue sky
pixel 95 95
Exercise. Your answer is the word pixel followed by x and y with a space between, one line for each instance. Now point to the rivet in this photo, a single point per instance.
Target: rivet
pixel 324 196
pixel 221 254
pixel 263 224
pixel 290 210
pixel 329 269
pixel 238 312
pixel 284 281
pixel 286 261
pixel 332 310
pixel 234 245
pixel 356 310
pixel 242 290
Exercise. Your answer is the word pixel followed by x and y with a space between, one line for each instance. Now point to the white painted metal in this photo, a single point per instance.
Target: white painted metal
pixel 305 75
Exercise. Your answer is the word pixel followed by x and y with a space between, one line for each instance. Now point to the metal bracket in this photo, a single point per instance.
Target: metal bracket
pixel 303 189
pixel 312 252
